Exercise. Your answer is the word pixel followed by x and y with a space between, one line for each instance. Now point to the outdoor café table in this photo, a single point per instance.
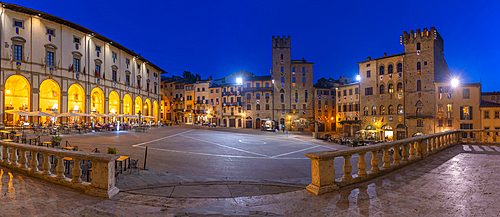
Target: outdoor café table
pixel 17 136
pixel 121 159
pixel 69 148
pixel 33 139
pixel 7 140
pixel 6 132
pixel 46 143
pixel 67 160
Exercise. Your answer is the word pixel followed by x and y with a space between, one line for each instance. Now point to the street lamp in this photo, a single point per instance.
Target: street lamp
pixel 239 80
pixel 358 78
pixel 454 82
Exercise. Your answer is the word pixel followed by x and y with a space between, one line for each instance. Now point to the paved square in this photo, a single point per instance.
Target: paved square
pixel 240 154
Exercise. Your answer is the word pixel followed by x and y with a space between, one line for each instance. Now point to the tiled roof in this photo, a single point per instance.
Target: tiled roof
pixel 489 104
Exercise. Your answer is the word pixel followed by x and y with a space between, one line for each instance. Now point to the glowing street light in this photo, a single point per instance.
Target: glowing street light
pixel 358 78
pixel 454 82
pixel 239 80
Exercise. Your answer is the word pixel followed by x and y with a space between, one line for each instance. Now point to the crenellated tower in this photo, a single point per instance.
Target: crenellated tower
pixel 424 65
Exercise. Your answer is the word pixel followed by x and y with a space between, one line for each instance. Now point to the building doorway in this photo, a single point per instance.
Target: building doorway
pixel 257 123
pixel 249 122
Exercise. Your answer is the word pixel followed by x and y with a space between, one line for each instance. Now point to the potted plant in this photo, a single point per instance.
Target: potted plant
pixel 111 150
pixel 56 140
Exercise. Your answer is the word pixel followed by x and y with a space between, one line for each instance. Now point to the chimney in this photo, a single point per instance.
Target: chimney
pixel 385 54
pixel 368 58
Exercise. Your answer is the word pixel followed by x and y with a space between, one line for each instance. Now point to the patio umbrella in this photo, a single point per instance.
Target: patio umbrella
pixel 40 114
pixel 13 111
pixel 71 114
pixel 129 116
pixel 148 117
pixel 102 115
pixel 56 114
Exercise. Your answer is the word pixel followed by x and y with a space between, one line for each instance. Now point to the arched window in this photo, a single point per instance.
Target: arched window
pixel 296 94
pixel 267 106
pixel 365 110
pixel 203 89
pixel 248 96
pixel 381 70
pixel 419 66
pixel 374 110
pixel 249 107
pixel 391 110
pixel 400 109
pixel 257 96
pixel 390 88
pixel 267 95
pixel 389 69
pixel 400 87
pixel 257 107
pixel 319 112
pixel 198 89
pixel 419 85
pixel 382 110
pixel 400 67
pixel 282 98
pixel 305 94
pixel 382 89
pixel 420 112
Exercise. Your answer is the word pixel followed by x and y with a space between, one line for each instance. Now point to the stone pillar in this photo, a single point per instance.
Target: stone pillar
pixel 323 176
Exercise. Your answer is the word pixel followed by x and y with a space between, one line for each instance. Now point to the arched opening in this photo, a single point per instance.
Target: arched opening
pixel 248 123
pixel 17 96
pixel 147 108
pixel 127 104
pixel 97 101
pixel 155 110
pixel 138 106
pixel 114 103
pixel 49 98
pixel 257 123
pixel 76 99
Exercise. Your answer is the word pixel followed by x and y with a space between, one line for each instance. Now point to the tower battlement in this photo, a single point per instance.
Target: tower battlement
pixel 419 36
pixel 281 42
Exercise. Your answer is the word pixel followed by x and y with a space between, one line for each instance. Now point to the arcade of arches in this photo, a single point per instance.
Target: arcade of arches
pixel 50 98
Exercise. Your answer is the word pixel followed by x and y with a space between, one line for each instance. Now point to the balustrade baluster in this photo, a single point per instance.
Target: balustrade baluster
pixel 428 146
pixel 433 145
pixel 405 152
pixel 60 167
pixel 347 168
pixel 375 161
pixel 438 142
pixel 396 156
pixel 6 155
pixel 419 149
pixel 77 171
pixel 13 157
pixel 412 151
pixel 385 158
pixel 24 160
pixel 46 164
pixel 361 164
pixel 34 162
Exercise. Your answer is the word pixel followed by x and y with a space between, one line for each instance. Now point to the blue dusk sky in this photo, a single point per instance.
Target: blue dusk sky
pixel 222 37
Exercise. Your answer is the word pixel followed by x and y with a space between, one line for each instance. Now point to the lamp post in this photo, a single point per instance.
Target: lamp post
pixel 139 113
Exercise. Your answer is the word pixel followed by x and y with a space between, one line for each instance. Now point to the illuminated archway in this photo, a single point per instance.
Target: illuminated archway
pixel 97 101
pixel 127 104
pixel 50 93
pixel 138 105
pixel 147 108
pixel 17 96
pixel 114 103
pixel 155 110
pixel 76 99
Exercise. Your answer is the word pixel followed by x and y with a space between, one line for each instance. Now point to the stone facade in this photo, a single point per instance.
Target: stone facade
pixel 257 101
pixel 348 106
pixel 417 69
pixel 51 65
pixel 293 86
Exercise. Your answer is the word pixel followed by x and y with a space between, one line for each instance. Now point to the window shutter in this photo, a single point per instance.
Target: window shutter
pixel 470 112
pixel 461 112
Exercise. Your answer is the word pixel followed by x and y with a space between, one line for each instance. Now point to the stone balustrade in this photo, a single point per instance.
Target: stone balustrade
pixel 405 151
pixel 16 156
pixel 480 137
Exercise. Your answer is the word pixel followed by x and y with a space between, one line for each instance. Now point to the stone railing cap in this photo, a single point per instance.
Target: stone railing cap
pixel 325 155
